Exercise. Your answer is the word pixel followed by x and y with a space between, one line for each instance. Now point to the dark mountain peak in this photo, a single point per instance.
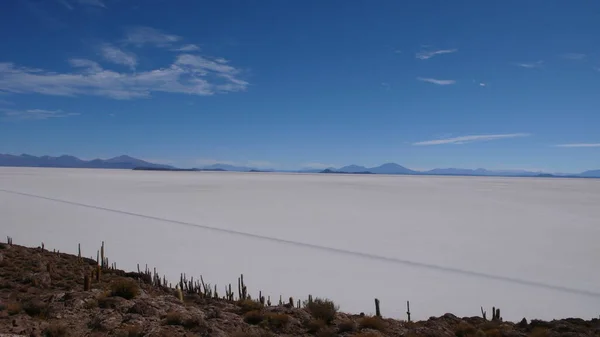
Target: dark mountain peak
pixel 391 168
pixel 66 161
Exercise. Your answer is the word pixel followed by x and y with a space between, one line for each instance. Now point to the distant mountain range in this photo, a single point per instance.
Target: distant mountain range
pixel 127 162
pixel 120 162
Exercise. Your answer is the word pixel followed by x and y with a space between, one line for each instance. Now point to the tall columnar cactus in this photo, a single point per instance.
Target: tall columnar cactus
pixel 408 310
pixel 496 314
pixel 291 303
pixel 102 255
pixel 377 311
pixel 179 293
pixel 483 314
pixel 78 249
pixel 269 301
pixel 86 282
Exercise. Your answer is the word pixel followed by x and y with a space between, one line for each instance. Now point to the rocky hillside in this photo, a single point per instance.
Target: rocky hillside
pixel 44 293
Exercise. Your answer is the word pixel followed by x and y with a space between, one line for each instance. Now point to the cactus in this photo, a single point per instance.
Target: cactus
pixel 78 248
pixel 86 282
pixel 496 314
pixel 483 314
pixel 102 255
pixel 179 293
pixel 242 290
pixel 269 301
pixel 229 293
pixel 310 299
pixel 42 246
pixel 377 311
pixel 291 302
pixel 408 310
pixel 280 300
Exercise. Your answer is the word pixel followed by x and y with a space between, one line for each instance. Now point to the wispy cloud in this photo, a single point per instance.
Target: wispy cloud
pixel 5 102
pixel 187 47
pixel 35 114
pixel 427 54
pixel 188 74
pixel 96 3
pixel 531 65
pixel 579 145
pixel 66 4
pixel 436 81
pixel 118 56
pixel 140 36
pixel 574 56
pixel 470 139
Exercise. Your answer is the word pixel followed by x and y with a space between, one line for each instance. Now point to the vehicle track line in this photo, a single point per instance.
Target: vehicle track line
pixel 393 260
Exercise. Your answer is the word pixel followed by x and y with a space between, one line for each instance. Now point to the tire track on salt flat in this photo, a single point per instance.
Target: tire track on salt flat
pixel 369 256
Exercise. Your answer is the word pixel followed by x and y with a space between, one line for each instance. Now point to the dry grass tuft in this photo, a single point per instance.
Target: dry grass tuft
pixel 372 322
pixel 254 317
pixel 277 320
pixel 174 318
pixel 125 288
pixel 346 326
pixel 322 308
pixel 315 325
pixel 249 305
pixel 56 330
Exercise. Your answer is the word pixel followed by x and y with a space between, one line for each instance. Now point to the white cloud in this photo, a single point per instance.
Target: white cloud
pixel 531 65
pixel 118 56
pixel 187 47
pixel 579 145
pixel 574 56
pixel 140 36
pixel 436 81
pixel 481 84
pixel 470 139
pixel 35 114
pixel 426 55
pixel 189 74
pixel 96 3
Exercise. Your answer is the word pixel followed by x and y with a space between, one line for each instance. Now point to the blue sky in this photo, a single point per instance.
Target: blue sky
pixel 290 84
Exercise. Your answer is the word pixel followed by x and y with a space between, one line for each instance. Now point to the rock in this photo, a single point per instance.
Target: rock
pixel 523 323
pixel 143 308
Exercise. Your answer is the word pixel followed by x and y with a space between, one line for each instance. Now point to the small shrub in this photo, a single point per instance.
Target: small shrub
pixel 133 331
pixel 56 330
pixel 346 326
pixel 464 329
pixel 539 332
pixel 128 289
pixel 277 320
pixel 14 308
pixel 91 304
pixel 174 318
pixel 326 332
pixel 35 308
pixel 372 322
pixel 315 325
pixel 194 322
pixel 249 305
pixel 254 317
pixel 321 308
pixel 493 333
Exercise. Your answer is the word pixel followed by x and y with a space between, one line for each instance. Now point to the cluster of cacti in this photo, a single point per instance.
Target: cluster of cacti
pixel 495 314
pixel 229 293
pixel 9 240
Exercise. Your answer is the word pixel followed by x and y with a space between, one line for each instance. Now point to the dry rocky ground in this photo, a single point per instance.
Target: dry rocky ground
pixel 42 294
